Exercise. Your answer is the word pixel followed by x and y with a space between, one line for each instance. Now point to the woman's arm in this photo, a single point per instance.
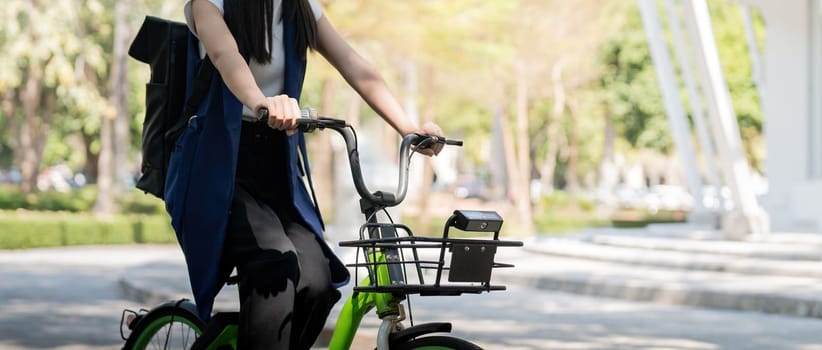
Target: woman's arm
pixel 366 81
pixel 225 55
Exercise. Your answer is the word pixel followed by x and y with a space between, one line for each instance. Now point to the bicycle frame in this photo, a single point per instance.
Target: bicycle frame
pixel 386 285
pixel 385 271
pixel 360 303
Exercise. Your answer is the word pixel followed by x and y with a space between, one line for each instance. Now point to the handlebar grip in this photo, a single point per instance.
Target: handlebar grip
pixel 425 141
pixel 306 113
pixel 306 124
pixel 309 124
pixel 262 114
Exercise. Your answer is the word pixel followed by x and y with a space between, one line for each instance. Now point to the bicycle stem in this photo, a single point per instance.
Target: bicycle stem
pixel 379 198
pixel 309 120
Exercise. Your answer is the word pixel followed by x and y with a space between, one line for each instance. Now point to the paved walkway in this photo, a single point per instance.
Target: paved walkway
pixel 679 264
pixel 674 264
pixel 653 270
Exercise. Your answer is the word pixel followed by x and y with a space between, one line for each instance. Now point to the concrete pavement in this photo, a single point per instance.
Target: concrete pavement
pixel 673 264
pixel 779 273
pixel 661 265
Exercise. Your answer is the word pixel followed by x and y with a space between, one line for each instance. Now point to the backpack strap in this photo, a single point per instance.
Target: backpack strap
pixel 303 164
pixel 200 87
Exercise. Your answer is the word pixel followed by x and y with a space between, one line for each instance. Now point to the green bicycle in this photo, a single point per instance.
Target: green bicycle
pixel 389 252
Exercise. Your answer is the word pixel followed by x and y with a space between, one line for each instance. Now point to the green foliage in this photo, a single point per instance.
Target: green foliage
pixel 547 224
pixel 629 218
pixel 77 200
pixel 736 64
pixel 464 51
pixel 137 202
pixel 562 212
pixel 73 201
pixel 629 87
pixel 31 230
pixel 563 203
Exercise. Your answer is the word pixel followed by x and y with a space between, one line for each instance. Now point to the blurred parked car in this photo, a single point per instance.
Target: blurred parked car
pixel 11 176
pixel 59 178
pixel 717 200
pixel 668 197
pixel 469 188
pixel 630 197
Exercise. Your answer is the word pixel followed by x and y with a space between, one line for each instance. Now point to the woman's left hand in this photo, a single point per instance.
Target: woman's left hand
pixel 430 128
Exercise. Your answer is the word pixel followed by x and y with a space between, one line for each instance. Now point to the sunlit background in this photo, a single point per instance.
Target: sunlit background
pixel 557 101
pixel 589 125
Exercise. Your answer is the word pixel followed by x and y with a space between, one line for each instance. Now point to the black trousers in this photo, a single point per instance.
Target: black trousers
pixel 285 285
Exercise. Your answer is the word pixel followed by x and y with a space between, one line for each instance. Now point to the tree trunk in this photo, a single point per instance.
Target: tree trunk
pixel 33 130
pixel 108 182
pixel 515 180
pixel 119 99
pixel 322 161
pixel 523 152
pixel 553 128
pixel 608 172
pixel 10 113
pixel 91 167
pixel 610 137
pixel 572 172
pixel 105 169
pixel 498 162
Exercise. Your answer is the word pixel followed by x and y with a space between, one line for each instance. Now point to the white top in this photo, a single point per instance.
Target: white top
pixel 269 77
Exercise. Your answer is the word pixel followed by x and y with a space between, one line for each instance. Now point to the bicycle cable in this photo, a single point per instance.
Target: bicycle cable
pixel 403 264
pixel 402 254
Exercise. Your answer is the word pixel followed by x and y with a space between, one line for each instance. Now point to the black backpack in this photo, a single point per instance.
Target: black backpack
pixel 163 45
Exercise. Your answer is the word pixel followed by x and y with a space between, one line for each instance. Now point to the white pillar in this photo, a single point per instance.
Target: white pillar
pixel 747 216
pixel 680 128
pixel 685 61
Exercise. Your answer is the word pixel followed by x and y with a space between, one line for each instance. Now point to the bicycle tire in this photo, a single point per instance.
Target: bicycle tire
pixel 436 342
pixel 166 329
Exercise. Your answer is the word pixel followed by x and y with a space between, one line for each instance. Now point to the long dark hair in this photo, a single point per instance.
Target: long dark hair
pixel 251 22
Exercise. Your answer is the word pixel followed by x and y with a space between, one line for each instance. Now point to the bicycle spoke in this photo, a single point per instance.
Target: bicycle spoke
pixel 184 336
pixel 173 336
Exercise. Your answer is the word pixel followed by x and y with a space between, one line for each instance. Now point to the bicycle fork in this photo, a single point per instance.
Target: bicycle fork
pixel 356 307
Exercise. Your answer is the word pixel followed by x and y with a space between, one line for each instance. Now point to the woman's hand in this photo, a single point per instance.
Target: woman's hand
pixel 283 112
pixel 430 128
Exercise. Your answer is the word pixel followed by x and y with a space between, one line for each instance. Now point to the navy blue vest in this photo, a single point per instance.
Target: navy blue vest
pixel 201 175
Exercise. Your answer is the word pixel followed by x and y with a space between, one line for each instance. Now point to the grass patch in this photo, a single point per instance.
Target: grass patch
pixel 432 228
pixel 561 212
pixel 633 218
pixel 558 225
pixel 77 200
pixel 19 230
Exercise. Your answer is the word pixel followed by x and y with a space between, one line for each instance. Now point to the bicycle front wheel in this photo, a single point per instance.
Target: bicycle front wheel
pixel 166 329
pixel 436 342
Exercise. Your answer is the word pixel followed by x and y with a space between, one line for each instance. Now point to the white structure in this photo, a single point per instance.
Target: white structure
pixel 790 83
pixel 747 217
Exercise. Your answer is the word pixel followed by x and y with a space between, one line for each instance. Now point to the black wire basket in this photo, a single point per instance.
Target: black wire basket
pixel 428 265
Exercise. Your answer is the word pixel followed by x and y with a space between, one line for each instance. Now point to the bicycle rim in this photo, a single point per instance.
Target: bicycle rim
pixel 436 343
pixel 163 334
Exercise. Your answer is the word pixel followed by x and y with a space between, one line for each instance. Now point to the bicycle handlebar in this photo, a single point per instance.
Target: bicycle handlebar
pixel 310 121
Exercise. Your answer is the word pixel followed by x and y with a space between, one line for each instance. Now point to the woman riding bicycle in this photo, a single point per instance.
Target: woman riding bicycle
pixel 243 203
